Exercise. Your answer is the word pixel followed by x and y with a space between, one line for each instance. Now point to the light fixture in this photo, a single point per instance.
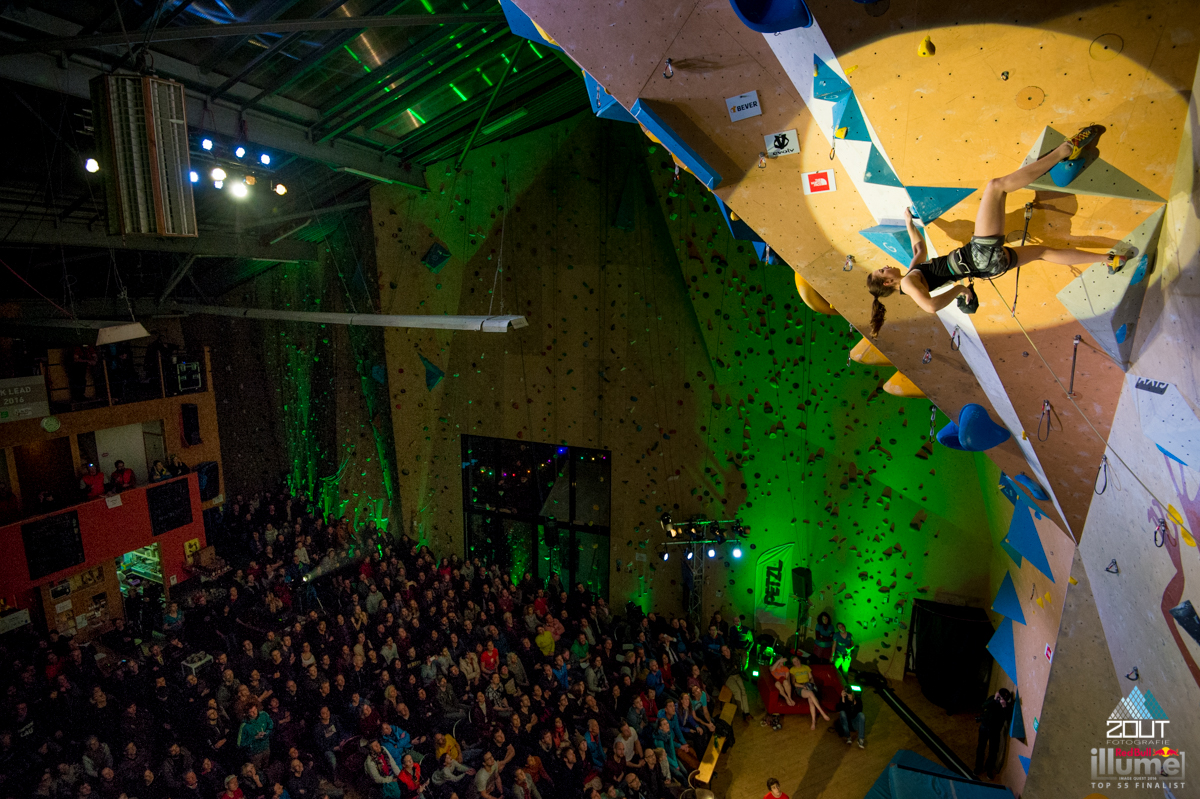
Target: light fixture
pixel 264 159
pixel 239 190
pixel 206 144
pixel 91 165
pixel 239 151
pixel 754 674
pixel 689 554
pixel 664 555
pixel 856 689
pixel 712 553
pixel 720 534
pixel 218 173
pixel 280 189
pixel 250 180
pixel 218 184
pixel 194 176
pixel 737 552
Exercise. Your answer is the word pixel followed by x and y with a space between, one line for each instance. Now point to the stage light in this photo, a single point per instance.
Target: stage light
pixel 239 151
pixel 721 538
pixel 218 174
pixel 664 555
pixel 712 553
pixel 194 176
pixel 264 159
pixel 239 190
pixel 206 144
pixel 280 189
pixel 665 520
pixel 737 552
pixel 689 554
pixel 218 184
pixel 91 165
pixel 856 689
pixel 754 674
pixel 250 180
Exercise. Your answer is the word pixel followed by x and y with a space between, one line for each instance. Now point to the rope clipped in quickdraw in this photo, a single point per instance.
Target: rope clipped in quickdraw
pixel 1024 234
pixel 955 340
pixel 932 421
pixel 1160 533
pixel 1103 469
pixel 1046 416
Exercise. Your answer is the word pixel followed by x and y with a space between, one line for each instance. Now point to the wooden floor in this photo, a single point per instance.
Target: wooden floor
pixel 811 764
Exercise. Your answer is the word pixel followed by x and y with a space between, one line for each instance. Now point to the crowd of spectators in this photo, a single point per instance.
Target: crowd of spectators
pixel 331 661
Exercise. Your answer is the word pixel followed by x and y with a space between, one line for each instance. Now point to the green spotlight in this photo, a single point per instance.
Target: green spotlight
pixel 856 689
pixel 754 673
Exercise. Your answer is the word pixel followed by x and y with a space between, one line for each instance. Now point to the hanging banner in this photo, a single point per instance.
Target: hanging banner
pixel 773 602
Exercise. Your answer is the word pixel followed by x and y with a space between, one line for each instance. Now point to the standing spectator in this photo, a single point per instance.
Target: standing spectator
pixel 92 482
pixel 254 736
pixel 843 647
pixel 823 638
pixel 997 711
pixel 122 477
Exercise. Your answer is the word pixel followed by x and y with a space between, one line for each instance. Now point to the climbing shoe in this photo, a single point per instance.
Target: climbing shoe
pixel 1115 261
pixel 1083 139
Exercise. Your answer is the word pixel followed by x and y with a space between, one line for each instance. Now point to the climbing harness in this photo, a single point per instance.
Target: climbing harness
pixel 928 356
pixel 1103 469
pixel 932 421
pixel 1112 567
pixel 955 340
pixel 1160 533
pixel 1074 356
pixel 1024 235
pixel 1045 415
pixel 670 71
pixel 848 265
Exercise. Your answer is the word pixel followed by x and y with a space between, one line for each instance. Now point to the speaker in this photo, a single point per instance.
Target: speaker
pixel 802 582
pixel 210 479
pixel 190 421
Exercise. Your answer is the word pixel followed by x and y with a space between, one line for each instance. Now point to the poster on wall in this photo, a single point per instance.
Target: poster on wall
pixel 773 602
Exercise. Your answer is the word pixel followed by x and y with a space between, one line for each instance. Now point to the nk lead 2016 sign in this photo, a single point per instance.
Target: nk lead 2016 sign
pixel 23 398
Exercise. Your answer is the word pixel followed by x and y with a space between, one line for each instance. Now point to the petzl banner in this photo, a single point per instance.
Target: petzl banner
pixel 773 602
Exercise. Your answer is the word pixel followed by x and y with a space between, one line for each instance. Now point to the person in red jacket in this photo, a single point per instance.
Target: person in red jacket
pixel 92 482
pixel 410 777
pixel 773 790
pixel 122 477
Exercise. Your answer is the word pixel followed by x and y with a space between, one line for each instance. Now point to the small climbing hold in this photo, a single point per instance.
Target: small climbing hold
pixel 900 386
pixel 1032 487
pixel 926 47
pixel 1004 75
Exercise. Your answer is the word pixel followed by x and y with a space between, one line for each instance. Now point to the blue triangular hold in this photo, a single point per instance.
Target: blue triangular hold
pixel 892 239
pixel 433 375
pixel 1035 490
pixel 847 114
pixel 1024 763
pixel 1012 553
pixel 1007 603
pixel 931 202
pixel 827 84
pixel 740 230
pixel 1017 728
pixel 1023 536
pixel 879 172
pixel 1004 649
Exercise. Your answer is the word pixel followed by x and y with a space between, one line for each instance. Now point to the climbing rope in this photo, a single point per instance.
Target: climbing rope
pixel 1044 415
pixel 1099 437
pixel 1103 469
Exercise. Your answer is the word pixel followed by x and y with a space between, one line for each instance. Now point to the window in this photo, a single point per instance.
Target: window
pixel 538 508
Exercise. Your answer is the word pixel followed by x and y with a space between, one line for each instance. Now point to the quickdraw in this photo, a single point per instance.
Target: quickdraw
pixel 928 356
pixel 848 265
pixel 670 71
pixel 1074 357
pixel 1160 533
pixel 955 340
pixel 932 420
pixel 1046 416
pixel 1103 469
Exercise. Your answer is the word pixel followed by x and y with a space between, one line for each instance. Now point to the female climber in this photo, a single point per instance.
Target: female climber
pixel 986 256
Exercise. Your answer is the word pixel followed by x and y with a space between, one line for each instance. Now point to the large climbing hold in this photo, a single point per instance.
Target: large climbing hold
pixel 604 105
pixel 1007 603
pixel 930 202
pixel 1023 537
pixel 773 16
pixel 868 354
pixel 1097 177
pixel 900 386
pixel 1109 305
pixel 849 122
pixel 1004 650
pixel 1035 490
pixel 892 239
pixel 811 298
pixel 974 432
pixel 664 134
pixel 827 84
pixel 879 171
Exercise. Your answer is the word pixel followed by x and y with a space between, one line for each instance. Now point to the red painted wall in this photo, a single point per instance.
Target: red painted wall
pixel 107 533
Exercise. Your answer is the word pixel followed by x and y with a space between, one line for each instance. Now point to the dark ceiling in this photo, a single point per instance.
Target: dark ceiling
pixel 385 101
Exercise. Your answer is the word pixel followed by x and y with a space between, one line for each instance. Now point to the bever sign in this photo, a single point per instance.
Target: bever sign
pixel 23 398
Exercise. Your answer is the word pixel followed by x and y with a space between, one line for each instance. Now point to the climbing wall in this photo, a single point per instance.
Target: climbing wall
pixel 926 122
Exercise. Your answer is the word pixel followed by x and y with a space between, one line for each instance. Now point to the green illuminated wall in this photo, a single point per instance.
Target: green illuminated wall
pixel 657 336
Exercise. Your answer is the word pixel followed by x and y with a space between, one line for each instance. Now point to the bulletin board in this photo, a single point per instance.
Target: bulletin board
pixel 84 604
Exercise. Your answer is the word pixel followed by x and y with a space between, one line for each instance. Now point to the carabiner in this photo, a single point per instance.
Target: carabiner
pixel 1103 469
pixel 1044 415
pixel 955 340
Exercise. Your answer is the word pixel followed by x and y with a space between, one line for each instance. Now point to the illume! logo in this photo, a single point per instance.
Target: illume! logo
pixel 1138 754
